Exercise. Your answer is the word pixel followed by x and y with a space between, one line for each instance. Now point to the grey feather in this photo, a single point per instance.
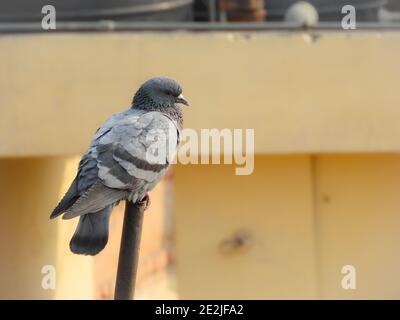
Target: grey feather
pixel 142 148
pixel 91 235
pixel 97 197
pixel 68 200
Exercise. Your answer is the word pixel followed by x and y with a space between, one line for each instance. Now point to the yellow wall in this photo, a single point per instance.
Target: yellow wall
pixel 274 205
pixel 29 189
pixel 335 91
pixel 307 217
pixel 357 201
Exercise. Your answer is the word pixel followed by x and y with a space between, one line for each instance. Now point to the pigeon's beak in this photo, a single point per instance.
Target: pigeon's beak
pixel 181 99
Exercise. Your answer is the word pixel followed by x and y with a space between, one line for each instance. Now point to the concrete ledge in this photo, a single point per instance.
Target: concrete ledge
pixel 320 92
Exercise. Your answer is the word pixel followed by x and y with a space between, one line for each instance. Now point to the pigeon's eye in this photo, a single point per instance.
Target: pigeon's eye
pixel 168 93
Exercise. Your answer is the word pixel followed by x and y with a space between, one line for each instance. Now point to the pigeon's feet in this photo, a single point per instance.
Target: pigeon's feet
pixel 146 201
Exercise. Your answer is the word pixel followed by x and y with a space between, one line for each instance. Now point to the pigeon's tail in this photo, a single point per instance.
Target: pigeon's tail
pixel 91 235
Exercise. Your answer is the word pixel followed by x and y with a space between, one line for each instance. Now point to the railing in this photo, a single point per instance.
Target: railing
pixel 107 26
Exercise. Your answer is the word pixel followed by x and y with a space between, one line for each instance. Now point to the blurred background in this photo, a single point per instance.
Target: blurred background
pixel 325 106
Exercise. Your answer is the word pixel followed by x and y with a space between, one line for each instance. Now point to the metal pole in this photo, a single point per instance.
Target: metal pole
pixel 129 250
pixel 212 10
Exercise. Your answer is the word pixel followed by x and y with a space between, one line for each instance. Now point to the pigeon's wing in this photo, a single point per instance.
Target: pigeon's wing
pixel 131 158
pixel 96 198
pixel 87 170
pixel 142 149
pixel 85 178
pixel 68 200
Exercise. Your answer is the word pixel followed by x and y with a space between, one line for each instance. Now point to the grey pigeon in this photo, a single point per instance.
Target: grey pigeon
pixel 127 157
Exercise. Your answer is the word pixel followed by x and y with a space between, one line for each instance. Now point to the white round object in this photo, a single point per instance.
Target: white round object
pixel 302 13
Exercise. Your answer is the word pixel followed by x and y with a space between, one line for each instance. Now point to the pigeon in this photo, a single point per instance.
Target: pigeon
pixel 127 157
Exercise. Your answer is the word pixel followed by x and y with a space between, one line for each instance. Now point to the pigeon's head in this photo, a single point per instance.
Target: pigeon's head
pixel 158 93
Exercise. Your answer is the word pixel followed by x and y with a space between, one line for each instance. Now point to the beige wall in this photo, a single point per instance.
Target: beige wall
pixel 335 91
pixel 306 217
pixel 357 201
pixel 29 189
pixel 273 205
